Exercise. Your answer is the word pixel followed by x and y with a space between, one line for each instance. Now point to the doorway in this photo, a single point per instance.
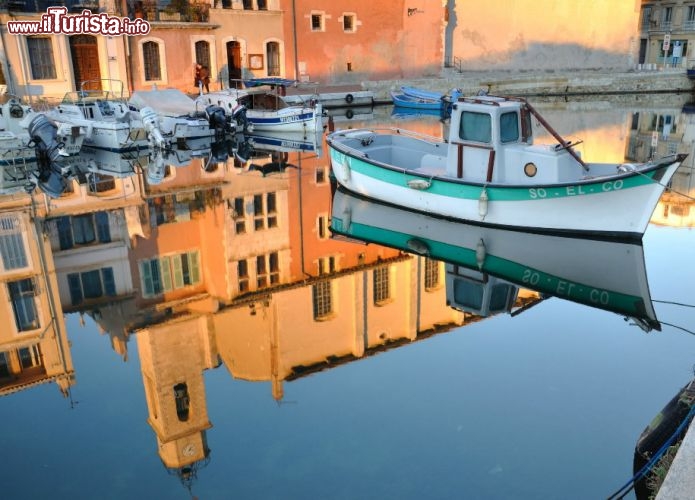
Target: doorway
pixel 234 64
pixel 85 61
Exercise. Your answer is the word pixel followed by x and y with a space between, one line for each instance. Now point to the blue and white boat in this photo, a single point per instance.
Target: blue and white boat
pixel 485 267
pixel 421 93
pixel 410 102
pixel 266 110
pixel 489 172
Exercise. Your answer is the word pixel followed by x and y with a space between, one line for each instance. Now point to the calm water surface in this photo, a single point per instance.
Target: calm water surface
pixel 544 405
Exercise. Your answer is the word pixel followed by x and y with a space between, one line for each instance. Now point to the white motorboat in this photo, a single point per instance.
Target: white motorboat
pixel 104 114
pixel 264 110
pixel 489 172
pixel 177 117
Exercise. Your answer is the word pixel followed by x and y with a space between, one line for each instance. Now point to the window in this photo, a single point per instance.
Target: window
pixel 91 285
pixel 666 18
pixel 274 266
pixel 202 53
pixel 348 23
pixel 475 127
pixel 272 50
pixel 22 293
pixel 151 62
pixel 509 127
pixel 248 4
pixel 169 273
pixel 271 206
pixel 322 227
pixel 381 285
pixel 317 22
pixel 238 216
pixel 12 244
pixel 262 5
pixel 183 401
pixel 4 365
pixel 83 229
pixel 261 272
pixel 326 265
pixel 41 58
pixel 646 17
pixel 259 214
pixel 243 275
pixel 99 183
pixel 267 270
pixel 431 274
pixel 29 357
pixel 320 175
pixel 322 300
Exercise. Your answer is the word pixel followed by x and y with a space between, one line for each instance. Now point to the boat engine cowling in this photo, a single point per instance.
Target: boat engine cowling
pixel 218 119
pixel 43 133
pixel 150 120
pixel 239 116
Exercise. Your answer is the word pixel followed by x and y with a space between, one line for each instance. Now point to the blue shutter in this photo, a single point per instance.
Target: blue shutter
pixel 103 229
pixel 64 232
pixel 75 287
pixel 108 281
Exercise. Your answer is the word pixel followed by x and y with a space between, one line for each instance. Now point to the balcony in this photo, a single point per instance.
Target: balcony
pixel 176 11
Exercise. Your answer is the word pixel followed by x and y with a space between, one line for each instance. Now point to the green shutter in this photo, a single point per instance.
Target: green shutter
pixel 165 266
pixel 194 267
pixel 178 271
pixel 146 278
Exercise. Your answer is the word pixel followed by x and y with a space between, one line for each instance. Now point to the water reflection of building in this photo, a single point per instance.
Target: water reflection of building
pixel 33 342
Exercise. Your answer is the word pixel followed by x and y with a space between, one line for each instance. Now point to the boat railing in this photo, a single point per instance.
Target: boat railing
pixel 390 130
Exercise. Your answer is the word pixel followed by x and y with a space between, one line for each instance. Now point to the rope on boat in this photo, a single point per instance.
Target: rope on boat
pixel 691 198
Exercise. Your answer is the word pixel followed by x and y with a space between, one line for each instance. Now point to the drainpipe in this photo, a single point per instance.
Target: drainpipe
pixel 294 39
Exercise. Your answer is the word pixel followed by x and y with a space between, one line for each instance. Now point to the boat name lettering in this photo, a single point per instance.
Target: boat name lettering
pixel 574 190
pixel 530 277
pixel 612 186
pixel 288 119
pixel 537 193
pixel 600 296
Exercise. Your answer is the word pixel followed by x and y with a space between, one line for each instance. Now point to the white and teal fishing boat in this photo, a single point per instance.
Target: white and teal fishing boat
pixel 490 172
pixel 486 267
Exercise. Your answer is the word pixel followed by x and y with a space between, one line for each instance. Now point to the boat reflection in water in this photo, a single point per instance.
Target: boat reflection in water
pixel 487 267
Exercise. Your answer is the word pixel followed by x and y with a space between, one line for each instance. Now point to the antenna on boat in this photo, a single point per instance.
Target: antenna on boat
pixel 565 144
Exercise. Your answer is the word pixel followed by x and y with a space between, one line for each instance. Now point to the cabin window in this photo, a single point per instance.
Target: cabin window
pixel 322 300
pixel 41 58
pixel 499 298
pixel 150 58
pixel 475 127
pixel 468 294
pixel 509 127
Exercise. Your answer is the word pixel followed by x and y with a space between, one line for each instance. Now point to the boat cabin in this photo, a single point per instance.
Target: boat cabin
pixel 477 292
pixel 491 141
pixel 99 105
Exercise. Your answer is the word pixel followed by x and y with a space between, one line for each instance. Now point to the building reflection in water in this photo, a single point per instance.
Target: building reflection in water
pixel 223 255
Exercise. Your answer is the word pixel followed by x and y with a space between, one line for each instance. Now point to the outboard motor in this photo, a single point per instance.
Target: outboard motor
pixel 151 122
pixel 156 169
pixel 220 151
pixel 244 151
pixel 218 120
pixel 43 133
pixel 239 116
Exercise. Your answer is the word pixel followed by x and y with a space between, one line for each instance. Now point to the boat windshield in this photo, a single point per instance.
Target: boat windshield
pixel 87 96
pixel 475 127
pixel 509 127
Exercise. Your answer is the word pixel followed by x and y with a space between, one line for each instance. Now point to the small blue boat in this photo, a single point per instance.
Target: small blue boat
pixel 407 101
pixel 421 93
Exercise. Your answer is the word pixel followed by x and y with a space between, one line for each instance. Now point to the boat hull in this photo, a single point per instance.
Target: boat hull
pixel 606 274
pixel 619 206
pixel 405 101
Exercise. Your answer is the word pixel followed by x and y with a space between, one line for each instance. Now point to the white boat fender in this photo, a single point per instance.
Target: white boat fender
pixel 480 253
pixel 345 169
pixel 483 204
pixel 151 122
pixel 347 219
pixel 626 167
pixel 420 184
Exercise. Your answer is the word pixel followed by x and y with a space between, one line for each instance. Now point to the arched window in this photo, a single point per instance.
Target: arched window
pixel 151 61
pixel 273 58
pixel 202 53
pixel 182 401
